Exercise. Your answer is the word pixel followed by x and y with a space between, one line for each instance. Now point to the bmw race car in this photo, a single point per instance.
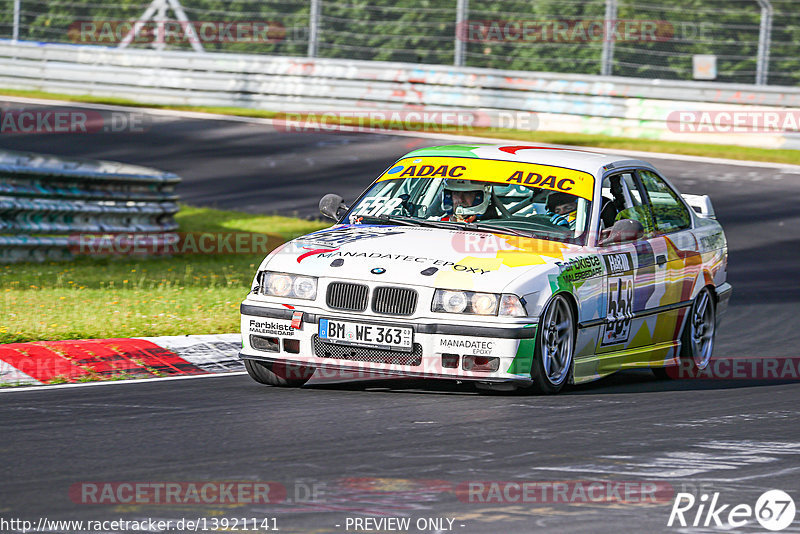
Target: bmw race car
pixel 509 266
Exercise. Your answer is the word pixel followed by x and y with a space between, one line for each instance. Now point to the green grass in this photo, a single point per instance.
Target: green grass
pixel 578 139
pixel 127 297
pixel 194 219
pixel 110 100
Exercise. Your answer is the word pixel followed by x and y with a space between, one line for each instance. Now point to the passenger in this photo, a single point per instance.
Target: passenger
pixel 564 209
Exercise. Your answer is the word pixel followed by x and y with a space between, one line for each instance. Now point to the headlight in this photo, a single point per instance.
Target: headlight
pixel 511 305
pixel 288 285
pixel 452 301
pixel 474 303
pixel 484 303
pixel 277 284
pixel 305 287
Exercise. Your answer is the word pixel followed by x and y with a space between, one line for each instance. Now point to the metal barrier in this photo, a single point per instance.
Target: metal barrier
pixel 731 42
pixel 46 201
pixel 630 107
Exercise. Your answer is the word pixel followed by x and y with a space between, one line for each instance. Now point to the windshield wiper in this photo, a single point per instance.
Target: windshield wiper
pixel 451 225
pixel 404 221
pixel 480 227
pixel 413 221
pixel 498 229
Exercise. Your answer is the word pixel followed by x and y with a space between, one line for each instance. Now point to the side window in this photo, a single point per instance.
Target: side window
pixel 670 213
pixel 622 199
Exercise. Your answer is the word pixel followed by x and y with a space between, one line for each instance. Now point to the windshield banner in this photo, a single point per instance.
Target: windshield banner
pixel 577 183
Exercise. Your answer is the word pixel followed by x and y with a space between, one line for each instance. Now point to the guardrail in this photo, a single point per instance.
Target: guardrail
pixel 630 107
pixel 45 202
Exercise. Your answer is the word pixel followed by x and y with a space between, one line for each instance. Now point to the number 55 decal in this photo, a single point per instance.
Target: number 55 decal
pixel 620 310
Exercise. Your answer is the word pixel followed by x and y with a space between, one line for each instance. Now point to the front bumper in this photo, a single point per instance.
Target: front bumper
pixel 435 345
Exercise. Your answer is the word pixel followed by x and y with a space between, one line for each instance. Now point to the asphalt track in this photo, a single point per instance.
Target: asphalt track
pixel 397 448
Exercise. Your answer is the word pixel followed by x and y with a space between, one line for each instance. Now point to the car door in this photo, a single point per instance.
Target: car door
pixel 629 268
pixel 677 260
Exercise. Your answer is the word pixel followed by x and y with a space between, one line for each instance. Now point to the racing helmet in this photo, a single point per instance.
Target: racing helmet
pixel 483 195
pixel 556 199
pixel 561 219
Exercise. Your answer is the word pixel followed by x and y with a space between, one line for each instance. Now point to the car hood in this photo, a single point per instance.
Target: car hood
pixel 433 257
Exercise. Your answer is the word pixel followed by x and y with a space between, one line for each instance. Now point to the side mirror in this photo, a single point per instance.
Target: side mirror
pixel 331 205
pixel 623 231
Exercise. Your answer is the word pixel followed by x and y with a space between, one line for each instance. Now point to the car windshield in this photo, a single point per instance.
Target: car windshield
pixel 501 196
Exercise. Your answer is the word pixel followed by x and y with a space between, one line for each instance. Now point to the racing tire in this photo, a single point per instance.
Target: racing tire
pixel 697 339
pixel 278 374
pixel 555 347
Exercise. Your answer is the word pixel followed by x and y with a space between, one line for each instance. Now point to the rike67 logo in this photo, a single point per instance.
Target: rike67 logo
pixel 774 510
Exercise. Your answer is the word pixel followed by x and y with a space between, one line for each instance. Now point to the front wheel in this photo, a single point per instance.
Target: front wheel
pixel 697 341
pixel 555 345
pixel 278 373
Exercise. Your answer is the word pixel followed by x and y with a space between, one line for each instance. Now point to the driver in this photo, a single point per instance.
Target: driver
pixel 465 200
pixel 564 209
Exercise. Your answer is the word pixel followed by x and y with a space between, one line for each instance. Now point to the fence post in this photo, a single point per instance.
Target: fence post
pixel 158 9
pixel 462 7
pixel 313 28
pixel 160 19
pixel 610 20
pixel 764 40
pixel 189 29
pixel 15 31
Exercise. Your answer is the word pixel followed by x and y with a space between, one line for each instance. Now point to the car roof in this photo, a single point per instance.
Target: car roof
pixel 581 160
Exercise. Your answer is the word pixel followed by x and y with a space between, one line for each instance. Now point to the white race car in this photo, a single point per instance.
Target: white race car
pixel 510 266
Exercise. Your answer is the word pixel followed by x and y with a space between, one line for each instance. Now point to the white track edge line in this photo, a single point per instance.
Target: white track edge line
pixel 46 387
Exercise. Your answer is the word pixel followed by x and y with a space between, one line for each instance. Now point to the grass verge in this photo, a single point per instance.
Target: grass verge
pixel 560 138
pixel 129 297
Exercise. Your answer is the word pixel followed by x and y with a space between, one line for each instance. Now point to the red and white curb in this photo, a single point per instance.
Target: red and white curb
pixel 89 360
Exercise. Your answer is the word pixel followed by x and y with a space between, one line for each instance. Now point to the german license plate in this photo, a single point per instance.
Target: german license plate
pixel 366 335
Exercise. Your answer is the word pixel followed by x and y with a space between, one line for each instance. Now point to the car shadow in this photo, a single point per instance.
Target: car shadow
pixel 415 385
pixel 643 381
pixel 639 381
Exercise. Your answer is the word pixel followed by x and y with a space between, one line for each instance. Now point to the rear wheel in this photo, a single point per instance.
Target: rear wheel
pixel 697 340
pixel 278 373
pixel 555 345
